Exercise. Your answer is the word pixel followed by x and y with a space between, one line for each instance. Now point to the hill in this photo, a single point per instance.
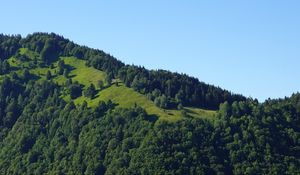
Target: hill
pixel 70 109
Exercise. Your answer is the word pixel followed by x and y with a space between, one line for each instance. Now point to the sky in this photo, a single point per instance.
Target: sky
pixel 250 47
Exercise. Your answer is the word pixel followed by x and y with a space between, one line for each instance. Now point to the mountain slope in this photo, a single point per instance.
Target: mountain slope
pixel 69 109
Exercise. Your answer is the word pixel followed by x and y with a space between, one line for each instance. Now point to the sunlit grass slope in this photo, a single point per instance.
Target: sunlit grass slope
pixel 81 73
pixel 126 97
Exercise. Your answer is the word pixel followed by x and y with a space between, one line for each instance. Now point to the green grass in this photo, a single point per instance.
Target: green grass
pixel 83 74
pixel 23 51
pixel 30 54
pixel 79 72
pixel 13 62
pixel 200 113
pixel 40 71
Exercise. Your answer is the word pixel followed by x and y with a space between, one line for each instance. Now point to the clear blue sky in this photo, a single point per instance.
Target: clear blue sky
pixel 249 47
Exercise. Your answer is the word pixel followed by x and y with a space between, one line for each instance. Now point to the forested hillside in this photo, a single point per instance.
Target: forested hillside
pixel 171 88
pixel 70 109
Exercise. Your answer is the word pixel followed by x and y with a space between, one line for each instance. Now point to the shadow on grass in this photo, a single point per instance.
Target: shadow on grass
pixel 71 76
pixel 96 96
pixel 33 77
pixel 152 118
pixel 189 111
pixel 14 69
pixel 69 67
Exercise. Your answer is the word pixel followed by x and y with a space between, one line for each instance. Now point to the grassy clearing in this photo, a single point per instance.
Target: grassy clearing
pixel 83 74
pixel 79 72
pixel 13 62
pixel 26 52
pixel 30 54
pixel 126 97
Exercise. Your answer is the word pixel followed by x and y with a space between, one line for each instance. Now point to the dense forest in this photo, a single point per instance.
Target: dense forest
pixel 41 132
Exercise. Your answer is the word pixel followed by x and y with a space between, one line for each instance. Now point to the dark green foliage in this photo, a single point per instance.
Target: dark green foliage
pixel 177 87
pixel 4 67
pixel 53 137
pixel 48 75
pixel 61 67
pixel 66 72
pixel 179 107
pixel 12 111
pixel 109 78
pixel 161 101
pixel 50 52
pixel 246 138
pixel 262 133
pixel 90 91
pixel 26 74
pixel 100 84
pixel 9 45
pixel 75 90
